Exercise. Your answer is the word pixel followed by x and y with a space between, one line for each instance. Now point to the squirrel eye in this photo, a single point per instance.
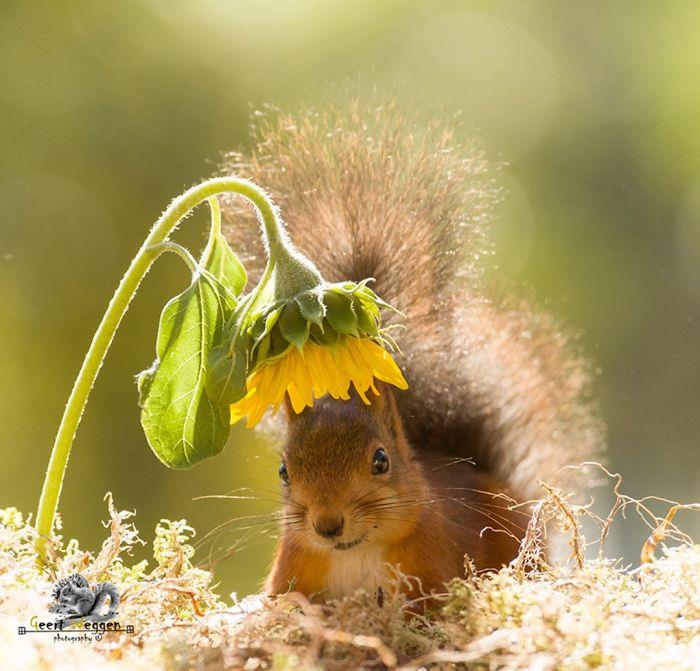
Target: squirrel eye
pixel 380 462
pixel 284 476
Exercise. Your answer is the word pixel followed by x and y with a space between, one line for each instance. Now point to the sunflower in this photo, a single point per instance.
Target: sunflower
pixel 310 372
pixel 305 337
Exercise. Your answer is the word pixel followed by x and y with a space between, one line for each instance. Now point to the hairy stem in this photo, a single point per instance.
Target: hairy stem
pixel 169 246
pixel 150 250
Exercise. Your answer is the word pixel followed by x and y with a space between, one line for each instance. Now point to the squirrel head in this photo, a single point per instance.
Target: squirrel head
pixel 348 474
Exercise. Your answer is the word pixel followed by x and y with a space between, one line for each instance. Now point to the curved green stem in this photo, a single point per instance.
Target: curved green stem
pixel 169 246
pixel 118 305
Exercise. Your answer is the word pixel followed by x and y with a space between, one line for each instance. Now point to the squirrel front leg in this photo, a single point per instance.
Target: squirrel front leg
pixel 297 570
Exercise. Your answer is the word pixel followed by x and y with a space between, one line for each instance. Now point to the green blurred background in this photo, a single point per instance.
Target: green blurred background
pixel 107 110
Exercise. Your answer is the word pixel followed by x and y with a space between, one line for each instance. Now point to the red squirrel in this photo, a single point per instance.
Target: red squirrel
pixel 498 398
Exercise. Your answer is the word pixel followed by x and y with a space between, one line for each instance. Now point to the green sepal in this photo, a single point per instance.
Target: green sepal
pixel 370 305
pixel 278 345
pixel 339 312
pixel 327 337
pixel 353 287
pixel 263 349
pixel 365 320
pixel 323 314
pixel 293 325
pixel 227 368
pixel 264 324
pixel 369 297
pixel 311 306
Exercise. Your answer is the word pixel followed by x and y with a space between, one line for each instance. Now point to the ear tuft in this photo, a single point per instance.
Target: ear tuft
pixel 384 407
pixel 291 415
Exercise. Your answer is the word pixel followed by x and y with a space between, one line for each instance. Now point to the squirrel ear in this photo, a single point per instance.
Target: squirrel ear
pixel 384 407
pixel 292 416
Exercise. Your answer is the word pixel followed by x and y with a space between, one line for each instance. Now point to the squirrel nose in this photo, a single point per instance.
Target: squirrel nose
pixel 329 527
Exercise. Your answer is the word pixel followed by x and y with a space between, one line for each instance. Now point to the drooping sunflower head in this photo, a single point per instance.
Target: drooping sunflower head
pixel 319 341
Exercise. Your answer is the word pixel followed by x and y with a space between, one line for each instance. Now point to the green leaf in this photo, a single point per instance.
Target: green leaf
pixel 185 419
pixel 219 259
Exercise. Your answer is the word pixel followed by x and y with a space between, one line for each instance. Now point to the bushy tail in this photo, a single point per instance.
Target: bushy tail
pixel 365 193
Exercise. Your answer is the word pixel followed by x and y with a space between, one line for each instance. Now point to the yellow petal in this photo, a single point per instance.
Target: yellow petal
pixel 311 372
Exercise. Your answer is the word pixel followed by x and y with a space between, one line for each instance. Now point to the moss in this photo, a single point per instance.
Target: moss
pixel 593 614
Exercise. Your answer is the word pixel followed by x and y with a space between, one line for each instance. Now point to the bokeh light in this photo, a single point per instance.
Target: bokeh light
pixel 107 110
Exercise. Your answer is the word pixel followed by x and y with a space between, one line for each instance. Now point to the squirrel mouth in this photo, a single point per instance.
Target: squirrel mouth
pixel 350 544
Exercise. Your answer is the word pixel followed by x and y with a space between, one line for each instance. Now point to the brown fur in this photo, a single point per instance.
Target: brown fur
pixel 365 193
pixel 424 515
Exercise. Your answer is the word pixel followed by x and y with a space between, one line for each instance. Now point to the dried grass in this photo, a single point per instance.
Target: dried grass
pixel 588 613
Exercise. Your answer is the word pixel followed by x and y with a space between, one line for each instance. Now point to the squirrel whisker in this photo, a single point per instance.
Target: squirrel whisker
pixel 498 396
